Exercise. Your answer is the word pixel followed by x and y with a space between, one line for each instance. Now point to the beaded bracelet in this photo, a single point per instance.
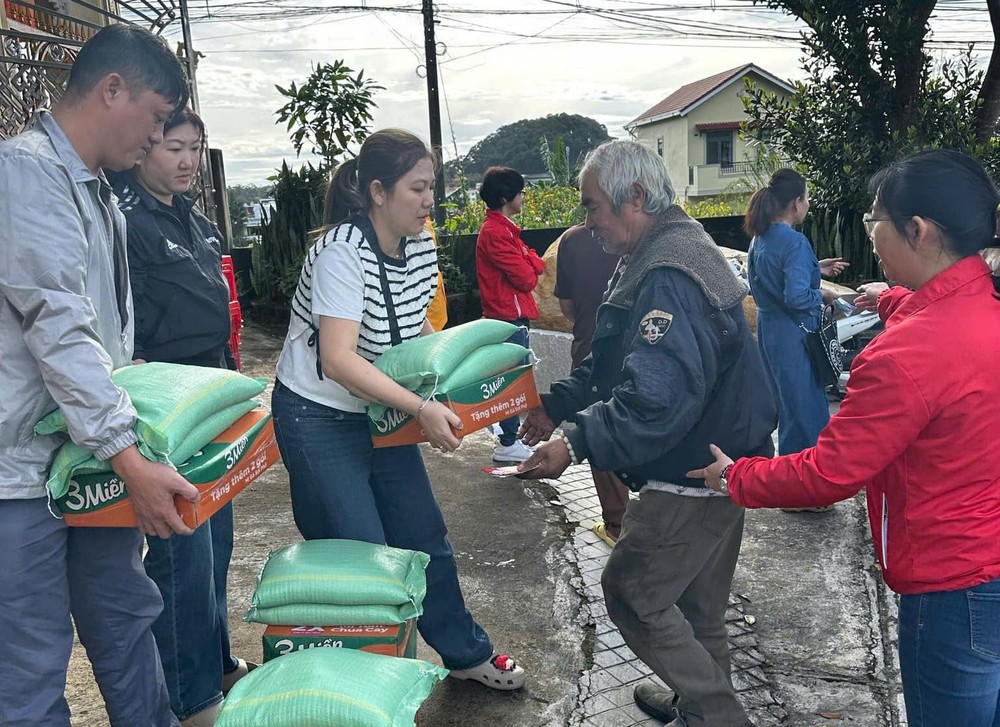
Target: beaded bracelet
pixel 569 448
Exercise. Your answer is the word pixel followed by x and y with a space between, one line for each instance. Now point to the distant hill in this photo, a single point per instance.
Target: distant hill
pixel 518 145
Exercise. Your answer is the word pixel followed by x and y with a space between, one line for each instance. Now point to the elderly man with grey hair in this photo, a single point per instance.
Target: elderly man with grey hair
pixel 673 369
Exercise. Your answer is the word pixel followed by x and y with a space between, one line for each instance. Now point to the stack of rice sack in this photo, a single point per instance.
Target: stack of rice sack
pixel 337 582
pixel 448 360
pixel 329 583
pixel 180 410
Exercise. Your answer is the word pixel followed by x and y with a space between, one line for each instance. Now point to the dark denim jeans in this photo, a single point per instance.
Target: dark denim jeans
pixel 192 633
pixel 949 656
pixel 509 426
pixel 342 487
pixel 803 409
pixel 49 571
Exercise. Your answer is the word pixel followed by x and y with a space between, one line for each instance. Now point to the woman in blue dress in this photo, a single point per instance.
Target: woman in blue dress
pixel 784 279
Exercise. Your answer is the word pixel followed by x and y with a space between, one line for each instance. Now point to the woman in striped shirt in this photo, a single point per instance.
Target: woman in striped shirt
pixel 365 285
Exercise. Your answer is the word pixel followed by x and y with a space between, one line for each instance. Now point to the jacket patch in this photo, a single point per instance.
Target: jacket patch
pixel 654 326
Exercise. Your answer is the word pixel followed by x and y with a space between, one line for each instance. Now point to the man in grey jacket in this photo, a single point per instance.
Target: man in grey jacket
pixel 65 324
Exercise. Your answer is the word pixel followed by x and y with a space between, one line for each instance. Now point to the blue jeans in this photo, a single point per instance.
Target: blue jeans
pixel 192 633
pixel 949 656
pixel 342 487
pixel 47 573
pixel 803 409
pixel 509 426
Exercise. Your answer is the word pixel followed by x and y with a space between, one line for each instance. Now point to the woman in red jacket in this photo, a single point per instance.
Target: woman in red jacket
pixel 916 430
pixel 507 271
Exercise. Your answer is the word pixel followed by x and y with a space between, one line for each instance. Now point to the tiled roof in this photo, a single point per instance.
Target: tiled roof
pixel 690 94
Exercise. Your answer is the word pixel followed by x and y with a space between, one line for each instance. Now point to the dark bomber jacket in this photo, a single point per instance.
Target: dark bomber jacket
pixel 180 296
pixel 674 366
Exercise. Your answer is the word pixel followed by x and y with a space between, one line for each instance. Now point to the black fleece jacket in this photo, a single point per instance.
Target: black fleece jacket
pixel 180 296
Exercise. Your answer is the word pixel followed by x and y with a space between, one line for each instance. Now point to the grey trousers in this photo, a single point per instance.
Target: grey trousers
pixel 49 572
pixel 666 587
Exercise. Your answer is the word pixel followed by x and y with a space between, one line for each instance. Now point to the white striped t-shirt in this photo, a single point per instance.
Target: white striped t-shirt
pixel 340 279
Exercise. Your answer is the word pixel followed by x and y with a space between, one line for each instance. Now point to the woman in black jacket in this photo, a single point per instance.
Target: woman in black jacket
pixel 181 302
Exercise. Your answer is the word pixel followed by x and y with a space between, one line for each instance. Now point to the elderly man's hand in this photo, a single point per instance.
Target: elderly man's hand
pixel 535 427
pixel 549 461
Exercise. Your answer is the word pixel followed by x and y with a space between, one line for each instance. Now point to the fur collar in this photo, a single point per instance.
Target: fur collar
pixel 675 240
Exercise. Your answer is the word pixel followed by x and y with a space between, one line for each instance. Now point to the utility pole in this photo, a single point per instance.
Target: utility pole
pixel 212 195
pixel 434 106
pixel 189 57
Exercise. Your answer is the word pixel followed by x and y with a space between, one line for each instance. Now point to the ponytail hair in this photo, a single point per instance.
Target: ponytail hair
pixel 770 202
pixel 386 156
pixel 343 198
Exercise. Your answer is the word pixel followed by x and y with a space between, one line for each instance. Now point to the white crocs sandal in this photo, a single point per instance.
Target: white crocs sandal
pixel 243 668
pixel 498 672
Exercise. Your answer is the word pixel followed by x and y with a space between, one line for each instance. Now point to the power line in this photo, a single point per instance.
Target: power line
pixel 633 21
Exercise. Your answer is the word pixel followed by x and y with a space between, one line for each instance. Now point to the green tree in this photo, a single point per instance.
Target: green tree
pixel 517 145
pixel 287 232
pixel 557 164
pixel 871 95
pixel 331 110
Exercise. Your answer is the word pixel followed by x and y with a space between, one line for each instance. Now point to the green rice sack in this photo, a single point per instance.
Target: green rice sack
pixel 341 573
pixel 71 459
pixel 320 614
pixel 421 363
pixel 483 363
pixel 171 401
pixel 331 688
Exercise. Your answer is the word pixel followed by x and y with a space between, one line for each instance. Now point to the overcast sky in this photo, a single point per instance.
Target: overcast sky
pixel 609 60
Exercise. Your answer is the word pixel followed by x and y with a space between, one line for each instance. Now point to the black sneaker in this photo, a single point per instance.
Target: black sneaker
pixel 656 701
pixel 681 722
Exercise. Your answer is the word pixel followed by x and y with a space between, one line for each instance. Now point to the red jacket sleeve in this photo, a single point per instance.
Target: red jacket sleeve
pixel 506 252
pixel 889 300
pixel 883 413
pixel 536 262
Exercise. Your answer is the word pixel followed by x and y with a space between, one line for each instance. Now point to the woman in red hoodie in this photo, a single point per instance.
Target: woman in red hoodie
pixel 916 430
pixel 507 271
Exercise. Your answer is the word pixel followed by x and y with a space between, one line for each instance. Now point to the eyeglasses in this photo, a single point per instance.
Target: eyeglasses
pixel 870 220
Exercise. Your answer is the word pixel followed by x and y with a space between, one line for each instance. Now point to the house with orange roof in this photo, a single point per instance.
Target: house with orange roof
pixel 695 130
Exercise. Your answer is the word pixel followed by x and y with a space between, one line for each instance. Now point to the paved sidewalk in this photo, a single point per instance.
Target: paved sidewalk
pixel 614 671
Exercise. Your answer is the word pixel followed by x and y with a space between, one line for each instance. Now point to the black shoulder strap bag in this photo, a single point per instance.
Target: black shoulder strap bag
pixel 363 224
pixel 822 345
pixel 390 309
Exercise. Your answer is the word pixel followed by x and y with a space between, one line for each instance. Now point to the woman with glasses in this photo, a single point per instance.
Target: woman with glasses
pixel 916 430
pixel 784 278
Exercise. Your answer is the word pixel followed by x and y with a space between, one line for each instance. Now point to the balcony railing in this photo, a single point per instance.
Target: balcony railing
pixel 709 179
pixel 735 169
pixel 43 16
pixel 42 40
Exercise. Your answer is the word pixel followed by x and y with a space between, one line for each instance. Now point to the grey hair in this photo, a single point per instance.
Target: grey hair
pixel 619 165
